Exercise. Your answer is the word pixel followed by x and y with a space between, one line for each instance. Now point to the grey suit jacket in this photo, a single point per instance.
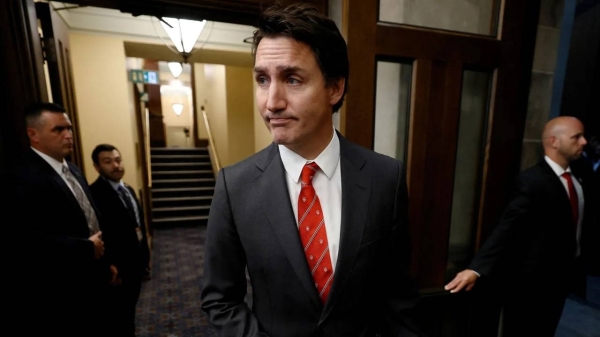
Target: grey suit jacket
pixel 251 224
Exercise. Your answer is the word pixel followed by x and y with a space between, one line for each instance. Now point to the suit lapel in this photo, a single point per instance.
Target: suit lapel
pixel 56 179
pixel 356 190
pixel 271 185
pixel 556 187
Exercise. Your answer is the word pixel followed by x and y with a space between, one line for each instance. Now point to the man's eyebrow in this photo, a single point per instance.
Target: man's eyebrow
pixel 282 68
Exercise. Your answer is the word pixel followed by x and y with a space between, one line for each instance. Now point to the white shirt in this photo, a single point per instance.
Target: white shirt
pixel 57 166
pixel 328 186
pixel 558 170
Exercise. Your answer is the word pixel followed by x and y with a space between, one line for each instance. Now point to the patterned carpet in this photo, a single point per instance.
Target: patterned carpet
pixel 169 304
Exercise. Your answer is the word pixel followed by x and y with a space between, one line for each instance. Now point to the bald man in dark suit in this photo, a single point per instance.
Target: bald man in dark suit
pixel 534 252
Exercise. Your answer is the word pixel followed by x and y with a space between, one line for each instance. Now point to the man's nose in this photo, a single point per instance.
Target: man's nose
pixel 276 97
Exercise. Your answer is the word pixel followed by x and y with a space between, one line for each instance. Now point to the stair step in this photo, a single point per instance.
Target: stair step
pixel 179 151
pixel 192 158
pixel 169 192
pixel 178 201
pixel 176 156
pixel 187 172
pixel 176 183
pixel 181 189
pixel 164 181
pixel 182 218
pixel 181 199
pixel 184 208
pixel 183 174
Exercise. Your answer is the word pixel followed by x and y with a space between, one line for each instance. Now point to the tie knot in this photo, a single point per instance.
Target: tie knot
pixel 308 172
pixel 566 175
pixel 65 169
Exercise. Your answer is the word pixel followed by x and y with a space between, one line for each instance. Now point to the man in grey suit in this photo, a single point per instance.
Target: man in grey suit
pixel 319 223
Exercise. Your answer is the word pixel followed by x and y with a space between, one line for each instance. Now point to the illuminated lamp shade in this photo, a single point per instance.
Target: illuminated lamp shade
pixel 177 108
pixel 176 68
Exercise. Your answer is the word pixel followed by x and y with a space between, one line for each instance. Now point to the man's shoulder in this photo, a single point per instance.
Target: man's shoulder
pixel 260 160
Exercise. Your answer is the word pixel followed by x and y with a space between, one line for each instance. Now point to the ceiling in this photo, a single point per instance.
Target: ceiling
pixel 243 12
pixel 143 29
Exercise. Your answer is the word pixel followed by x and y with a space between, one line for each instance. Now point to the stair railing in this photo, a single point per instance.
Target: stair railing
pixel 147 141
pixel 212 150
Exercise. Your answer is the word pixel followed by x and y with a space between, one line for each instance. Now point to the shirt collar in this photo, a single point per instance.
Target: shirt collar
pixel 115 185
pixel 558 170
pixel 327 160
pixel 55 164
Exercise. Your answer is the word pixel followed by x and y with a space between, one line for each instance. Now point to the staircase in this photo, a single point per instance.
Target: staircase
pixel 183 184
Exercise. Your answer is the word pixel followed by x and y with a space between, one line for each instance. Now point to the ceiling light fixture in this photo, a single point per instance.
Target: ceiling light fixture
pixel 176 68
pixel 184 35
pixel 177 108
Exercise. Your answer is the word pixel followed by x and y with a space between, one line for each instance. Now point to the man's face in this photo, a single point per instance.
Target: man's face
pixel 570 142
pixel 52 135
pixel 292 96
pixel 110 165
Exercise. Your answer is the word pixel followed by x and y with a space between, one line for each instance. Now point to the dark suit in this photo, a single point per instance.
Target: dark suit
pixel 61 285
pixel 583 169
pixel 531 254
pixel 124 250
pixel 252 223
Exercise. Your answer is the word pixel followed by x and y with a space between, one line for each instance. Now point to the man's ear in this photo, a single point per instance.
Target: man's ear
pixel 33 135
pixel 337 90
pixel 554 142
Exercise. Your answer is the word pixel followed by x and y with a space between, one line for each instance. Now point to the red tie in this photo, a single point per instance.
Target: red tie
pixel 572 197
pixel 311 225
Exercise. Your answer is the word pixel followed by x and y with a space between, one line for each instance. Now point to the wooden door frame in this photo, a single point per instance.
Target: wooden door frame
pixel 436 53
pixel 60 75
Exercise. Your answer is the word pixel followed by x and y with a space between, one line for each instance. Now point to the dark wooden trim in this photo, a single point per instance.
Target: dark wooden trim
pixel 417 149
pixel 22 81
pixel 360 27
pixel 420 42
pixel 142 158
pixel 518 33
pixel 194 110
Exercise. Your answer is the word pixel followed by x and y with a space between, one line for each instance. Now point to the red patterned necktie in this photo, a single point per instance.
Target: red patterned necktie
pixel 311 225
pixel 572 197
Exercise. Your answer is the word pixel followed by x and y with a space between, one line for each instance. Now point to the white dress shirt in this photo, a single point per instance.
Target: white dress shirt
pixel 328 186
pixel 558 170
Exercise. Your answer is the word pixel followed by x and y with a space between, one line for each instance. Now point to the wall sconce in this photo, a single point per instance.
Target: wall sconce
pixel 177 108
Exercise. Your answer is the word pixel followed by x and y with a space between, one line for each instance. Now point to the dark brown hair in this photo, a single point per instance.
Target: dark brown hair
pixel 305 24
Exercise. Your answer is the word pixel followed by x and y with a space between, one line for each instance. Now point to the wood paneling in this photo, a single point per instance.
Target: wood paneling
pixel 22 81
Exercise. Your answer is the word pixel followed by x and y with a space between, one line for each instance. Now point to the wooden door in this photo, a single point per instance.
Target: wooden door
pixel 456 102
pixel 58 58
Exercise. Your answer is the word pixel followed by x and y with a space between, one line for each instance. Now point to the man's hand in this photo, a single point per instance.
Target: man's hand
pixel 98 245
pixel 115 280
pixel 465 278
